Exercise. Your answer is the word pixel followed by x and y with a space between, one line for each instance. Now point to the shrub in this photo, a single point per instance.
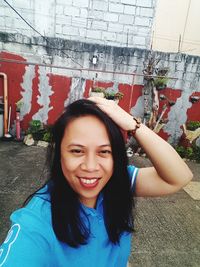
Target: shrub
pixel 39 131
pixel 192 153
pixel 98 90
pixel 181 151
pixel 196 152
pixel 193 125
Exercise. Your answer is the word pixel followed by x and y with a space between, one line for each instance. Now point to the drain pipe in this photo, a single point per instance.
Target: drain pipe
pixel 5 99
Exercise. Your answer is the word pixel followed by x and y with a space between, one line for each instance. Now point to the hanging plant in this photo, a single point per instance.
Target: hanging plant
pixel 194 98
pixel 160 83
pixel 119 95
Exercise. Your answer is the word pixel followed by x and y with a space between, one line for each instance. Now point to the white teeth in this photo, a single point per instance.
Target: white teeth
pixel 88 181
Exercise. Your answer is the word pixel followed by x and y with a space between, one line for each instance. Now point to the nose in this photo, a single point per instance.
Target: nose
pixel 90 163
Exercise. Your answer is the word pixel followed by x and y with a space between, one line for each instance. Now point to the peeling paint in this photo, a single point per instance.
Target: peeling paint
pixel 177 116
pixel 138 109
pixel 27 90
pixel 77 90
pixel 45 92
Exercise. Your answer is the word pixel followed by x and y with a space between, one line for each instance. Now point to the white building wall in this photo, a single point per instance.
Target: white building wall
pixel 109 22
pixel 176 26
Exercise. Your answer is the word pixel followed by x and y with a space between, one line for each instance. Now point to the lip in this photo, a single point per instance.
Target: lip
pixel 87 182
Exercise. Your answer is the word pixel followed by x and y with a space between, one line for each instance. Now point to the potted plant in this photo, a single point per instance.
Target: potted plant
pixel 160 82
pixel 97 91
pixel 194 98
pixel 114 96
pixel 119 96
pixel 193 125
pixel 110 95
pixel 35 129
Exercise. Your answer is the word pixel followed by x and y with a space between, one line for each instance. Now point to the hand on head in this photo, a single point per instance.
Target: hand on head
pixel 123 119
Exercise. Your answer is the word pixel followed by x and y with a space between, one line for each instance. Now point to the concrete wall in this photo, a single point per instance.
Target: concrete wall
pixel 47 73
pixel 46 89
pixel 109 22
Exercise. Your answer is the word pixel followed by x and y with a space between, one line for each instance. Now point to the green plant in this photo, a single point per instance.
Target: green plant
pixel 189 153
pixel 160 82
pixel 47 137
pixel 193 125
pixel 196 153
pixel 39 131
pixel 98 90
pixel 114 96
pixel 110 95
pixel 192 152
pixel 36 129
pixel 34 126
pixel 181 151
pixel 119 95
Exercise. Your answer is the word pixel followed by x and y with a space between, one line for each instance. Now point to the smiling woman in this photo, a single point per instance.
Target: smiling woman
pixel 86 161
pixel 83 214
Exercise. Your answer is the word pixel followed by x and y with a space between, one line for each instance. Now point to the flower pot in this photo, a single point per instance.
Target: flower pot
pixel 161 87
pixel 97 94
pixel 194 98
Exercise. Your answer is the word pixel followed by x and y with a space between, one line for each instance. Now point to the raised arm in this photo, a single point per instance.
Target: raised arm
pixel 169 172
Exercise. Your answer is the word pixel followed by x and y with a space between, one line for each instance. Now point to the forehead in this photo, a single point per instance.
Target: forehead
pixel 86 128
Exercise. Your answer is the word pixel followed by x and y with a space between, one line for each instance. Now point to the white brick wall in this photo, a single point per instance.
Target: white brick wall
pixel 129 9
pixel 99 25
pixel 126 19
pixel 144 3
pixel 115 27
pixel 22 3
pixel 119 8
pixel 129 2
pixel 72 11
pixel 147 12
pixel 141 21
pixel 80 3
pixel 111 17
pixel 100 5
pixel 100 21
pixel 94 34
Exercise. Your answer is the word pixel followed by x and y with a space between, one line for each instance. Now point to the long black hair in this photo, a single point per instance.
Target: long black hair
pixel 68 225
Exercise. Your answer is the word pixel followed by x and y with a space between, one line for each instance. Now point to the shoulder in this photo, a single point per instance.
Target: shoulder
pixel 31 234
pixel 36 212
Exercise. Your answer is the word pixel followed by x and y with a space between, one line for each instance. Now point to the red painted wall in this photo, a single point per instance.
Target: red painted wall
pixel 61 86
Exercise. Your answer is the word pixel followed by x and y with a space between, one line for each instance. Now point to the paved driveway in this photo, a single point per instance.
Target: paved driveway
pixel 167 229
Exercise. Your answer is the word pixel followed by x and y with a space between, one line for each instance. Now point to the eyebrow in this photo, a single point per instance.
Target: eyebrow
pixel 74 144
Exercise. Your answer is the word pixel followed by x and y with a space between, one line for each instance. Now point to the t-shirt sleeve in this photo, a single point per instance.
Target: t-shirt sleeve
pixel 24 244
pixel 133 171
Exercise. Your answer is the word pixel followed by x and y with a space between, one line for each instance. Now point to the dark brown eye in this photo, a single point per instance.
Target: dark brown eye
pixel 105 152
pixel 76 151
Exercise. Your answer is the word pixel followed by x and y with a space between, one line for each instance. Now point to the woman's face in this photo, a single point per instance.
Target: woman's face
pixel 86 157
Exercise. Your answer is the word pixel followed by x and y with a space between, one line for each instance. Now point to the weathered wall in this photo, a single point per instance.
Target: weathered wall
pixel 46 89
pixel 109 22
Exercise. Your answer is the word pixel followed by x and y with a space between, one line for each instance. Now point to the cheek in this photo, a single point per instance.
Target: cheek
pixel 108 167
pixel 68 166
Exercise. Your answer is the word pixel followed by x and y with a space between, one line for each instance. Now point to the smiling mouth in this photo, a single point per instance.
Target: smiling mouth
pixel 89 182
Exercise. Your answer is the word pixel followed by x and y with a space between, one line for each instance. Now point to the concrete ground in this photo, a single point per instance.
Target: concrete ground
pixel 167 229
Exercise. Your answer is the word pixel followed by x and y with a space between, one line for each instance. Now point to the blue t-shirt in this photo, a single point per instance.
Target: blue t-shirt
pixel 31 241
